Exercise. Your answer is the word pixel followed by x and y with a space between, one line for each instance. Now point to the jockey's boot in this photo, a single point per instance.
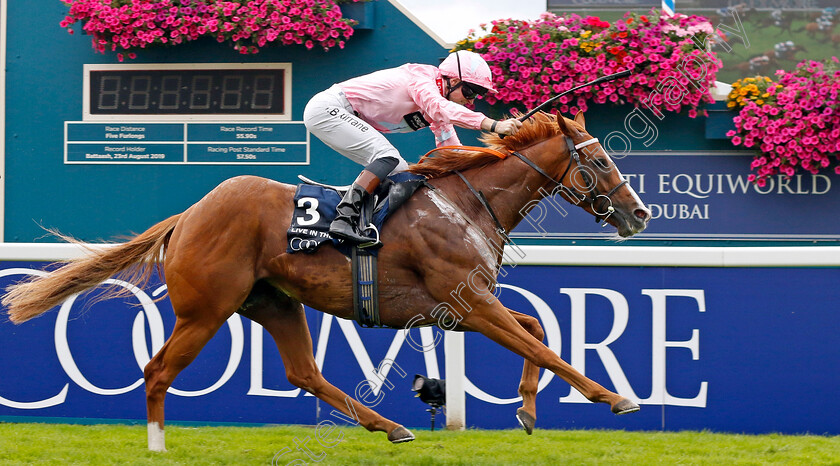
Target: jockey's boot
pixel 347 224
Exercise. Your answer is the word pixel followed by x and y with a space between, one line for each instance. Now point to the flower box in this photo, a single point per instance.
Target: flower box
pixel 533 61
pixel 363 12
pixel 793 122
pixel 137 24
pixel 719 120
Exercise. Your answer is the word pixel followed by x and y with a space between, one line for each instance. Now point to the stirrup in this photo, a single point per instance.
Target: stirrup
pixel 370 244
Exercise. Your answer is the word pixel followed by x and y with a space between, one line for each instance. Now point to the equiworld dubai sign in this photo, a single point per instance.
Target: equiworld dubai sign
pixel 693 196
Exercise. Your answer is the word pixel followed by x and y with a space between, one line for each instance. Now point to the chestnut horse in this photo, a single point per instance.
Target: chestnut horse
pixel 230 247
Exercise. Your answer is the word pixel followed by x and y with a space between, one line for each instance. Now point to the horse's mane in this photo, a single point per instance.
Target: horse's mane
pixel 539 127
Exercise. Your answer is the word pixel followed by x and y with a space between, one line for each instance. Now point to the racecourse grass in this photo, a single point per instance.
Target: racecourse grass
pixel 121 444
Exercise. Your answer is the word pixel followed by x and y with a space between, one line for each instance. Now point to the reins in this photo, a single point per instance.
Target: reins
pixel 590 197
pixel 478 194
pixel 483 200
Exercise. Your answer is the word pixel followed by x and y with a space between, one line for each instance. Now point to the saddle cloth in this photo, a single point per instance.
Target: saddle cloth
pixel 315 210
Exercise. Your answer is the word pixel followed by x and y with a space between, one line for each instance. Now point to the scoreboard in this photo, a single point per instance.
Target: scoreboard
pixel 188 91
pixel 199 113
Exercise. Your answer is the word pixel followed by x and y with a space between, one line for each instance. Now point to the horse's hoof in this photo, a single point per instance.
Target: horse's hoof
pixel 525 420
pixel 625 406
pixel 400 435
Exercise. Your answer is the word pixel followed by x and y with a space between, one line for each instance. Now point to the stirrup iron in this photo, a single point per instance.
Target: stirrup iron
pixel 373 243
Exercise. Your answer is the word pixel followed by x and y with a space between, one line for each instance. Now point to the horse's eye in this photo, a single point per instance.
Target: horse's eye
pixel 601 163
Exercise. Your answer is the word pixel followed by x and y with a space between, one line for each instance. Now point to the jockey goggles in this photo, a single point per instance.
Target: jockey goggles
pixel 469 90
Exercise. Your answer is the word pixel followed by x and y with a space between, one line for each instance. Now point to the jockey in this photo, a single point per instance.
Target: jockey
pixel 776 15
pixel 825 22
pixel 350 116
pixel 759 62
pixel 782 48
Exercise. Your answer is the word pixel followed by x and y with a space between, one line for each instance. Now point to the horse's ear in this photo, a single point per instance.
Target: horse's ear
pixel 579 119
pixel 564 126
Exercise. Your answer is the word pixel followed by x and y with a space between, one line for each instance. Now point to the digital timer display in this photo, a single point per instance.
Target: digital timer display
pixel 222 92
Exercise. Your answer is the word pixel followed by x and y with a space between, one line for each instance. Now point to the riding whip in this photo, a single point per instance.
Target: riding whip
pixel 602 79
pixel 550 101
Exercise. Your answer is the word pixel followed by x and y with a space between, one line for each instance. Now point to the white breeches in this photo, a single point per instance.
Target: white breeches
pixel 329 116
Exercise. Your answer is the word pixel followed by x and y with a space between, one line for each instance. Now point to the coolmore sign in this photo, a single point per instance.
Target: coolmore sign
pixel 695 196
pixel 699 348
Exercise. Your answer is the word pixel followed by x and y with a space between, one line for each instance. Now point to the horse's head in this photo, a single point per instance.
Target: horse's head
pixel 592 181
pixel 569 161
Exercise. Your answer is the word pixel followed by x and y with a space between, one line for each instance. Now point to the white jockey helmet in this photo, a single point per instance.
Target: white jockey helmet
pixel 470 67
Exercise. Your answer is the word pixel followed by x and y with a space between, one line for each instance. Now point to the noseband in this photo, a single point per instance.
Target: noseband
pixel 592 197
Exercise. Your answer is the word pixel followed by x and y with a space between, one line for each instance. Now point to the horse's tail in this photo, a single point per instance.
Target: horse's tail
pixel 132 261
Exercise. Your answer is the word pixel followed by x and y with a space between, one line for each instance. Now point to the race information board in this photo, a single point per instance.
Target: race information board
pixel 285 143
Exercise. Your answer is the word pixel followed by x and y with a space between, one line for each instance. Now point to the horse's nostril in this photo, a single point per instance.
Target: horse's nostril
pixel 642 214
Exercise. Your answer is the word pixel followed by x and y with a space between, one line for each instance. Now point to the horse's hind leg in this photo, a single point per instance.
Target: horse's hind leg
pixel 527 414
pixel 285 321
pixel 187 339
pixel 202 304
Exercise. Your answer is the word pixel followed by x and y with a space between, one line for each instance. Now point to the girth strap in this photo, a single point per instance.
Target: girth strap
pixel 365 288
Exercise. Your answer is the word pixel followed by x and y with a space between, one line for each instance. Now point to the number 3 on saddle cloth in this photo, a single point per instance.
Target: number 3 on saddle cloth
pixel 315 210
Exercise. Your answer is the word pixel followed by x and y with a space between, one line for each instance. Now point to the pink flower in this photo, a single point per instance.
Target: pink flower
pixel 141 22
pixel 795 126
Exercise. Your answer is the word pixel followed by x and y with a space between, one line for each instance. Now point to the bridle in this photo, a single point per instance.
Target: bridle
pixel 593 196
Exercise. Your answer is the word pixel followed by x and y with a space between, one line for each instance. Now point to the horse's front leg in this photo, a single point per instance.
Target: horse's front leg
pixel 497 323
pixel 527 414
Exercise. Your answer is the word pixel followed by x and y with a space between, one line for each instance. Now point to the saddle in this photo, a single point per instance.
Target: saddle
pixel 315 205
pixel 314 210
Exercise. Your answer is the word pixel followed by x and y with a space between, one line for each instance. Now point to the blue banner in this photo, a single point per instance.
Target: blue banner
pixel 694 196
pixel 726 349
